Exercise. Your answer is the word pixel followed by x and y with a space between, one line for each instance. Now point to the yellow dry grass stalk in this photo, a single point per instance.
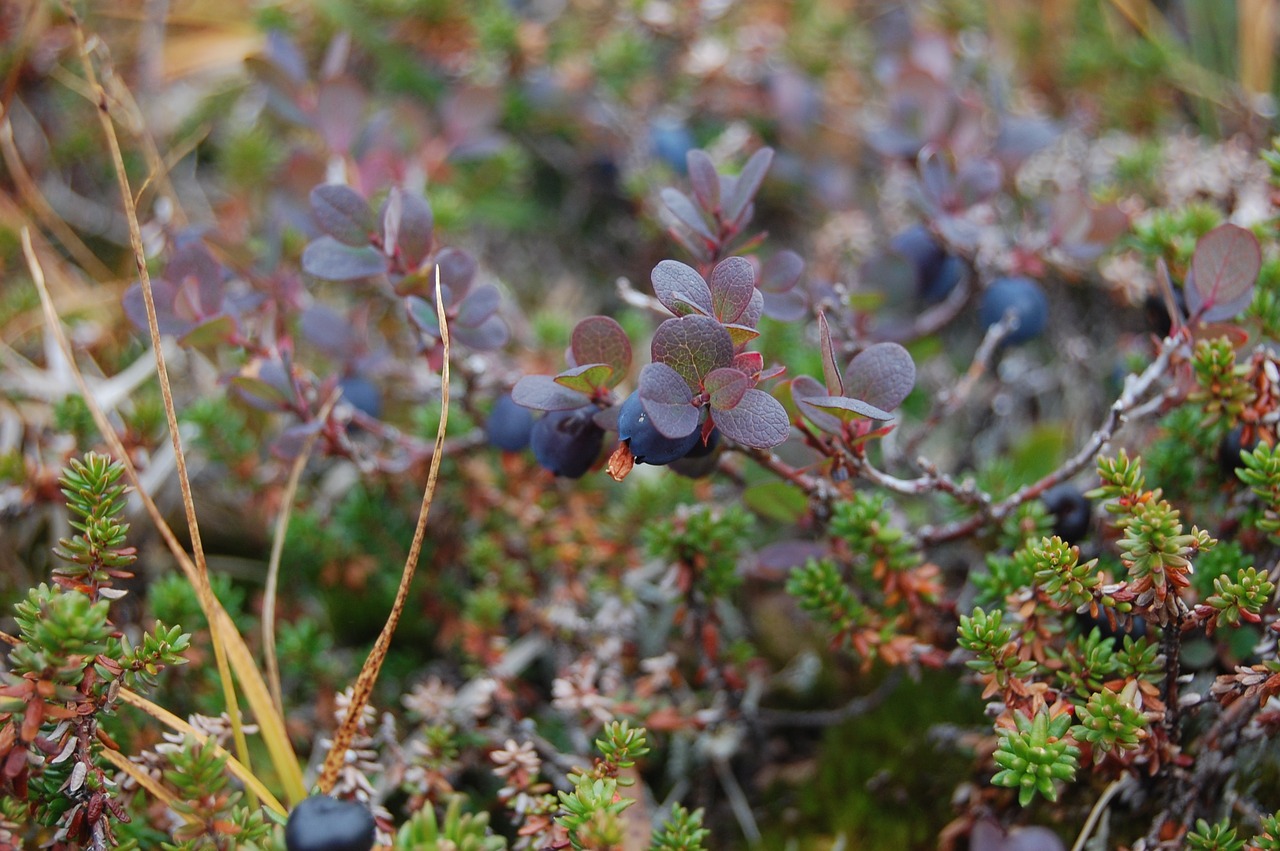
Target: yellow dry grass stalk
pixel 363 687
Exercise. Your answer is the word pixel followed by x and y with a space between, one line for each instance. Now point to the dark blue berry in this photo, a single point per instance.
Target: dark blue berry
pixel 567 442
pixel 362 394
pixel 509 425
pixel 321 823
pixel 936 271
pixel 1229 449
pixel 940 285
pixel 648 445
pixel 1021 295
pixel 1071 510
pixel 671 141
pixel 701 459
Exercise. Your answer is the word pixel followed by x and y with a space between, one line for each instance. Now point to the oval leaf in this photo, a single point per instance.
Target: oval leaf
pixel 746 186
pixel 673 281
pixel 330 260
pixel 732 283
pixel 600 339
pixel 782 272
pixel 704 179
pixel 542 393
pixel 758 421
pixel 726 386
pixel 409 223
pixel 847 410
pixel 490 334
pixel 804 388
pixel 1225 264
pixel 667 400
pixel 686 212
pixel 585 379
pixel 342 213
pixel 741 335
pixel 692 346
pixel 457 271
pixel 479 305
pixel 881 375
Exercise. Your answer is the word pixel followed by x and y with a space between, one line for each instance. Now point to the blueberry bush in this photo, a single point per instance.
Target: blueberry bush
pixel 956 342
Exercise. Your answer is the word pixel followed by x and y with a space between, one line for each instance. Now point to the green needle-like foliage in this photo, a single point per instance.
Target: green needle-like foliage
pixel 823 593
pixel 865 524
pixel 1241 598
pixel 1214 837
pixel 1111 721
pixel 1261 472
pixel 682 831
pixel 1269 839
pixel 1223 391
pixel 1034 756
pixel 1069 584
pixel 97 554
pixel 60 636
pixel 992 642
pixel 459 832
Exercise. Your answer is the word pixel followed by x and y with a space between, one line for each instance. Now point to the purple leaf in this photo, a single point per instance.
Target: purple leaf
pixel 423 314
pixel 936 176
pixel 457 271
pixel 704 179
pixel 881 375
pixel 330 260
pixel 488 335
pixel 758 421
pixel 749 362
pixel 198 279
pixel 479 305
pixel 164 293
pixel 327 330
pixel 342 213
pixel 830 372
pixel 215 330
pixel 339 107
pixel 686 212
pixel 585 379
pixel 692 346
pixel 542 393
pixel 746 186
pixel 732 282
pixel 804 388
pixel 785 307
pixel 408 223
pixel 782 272
pixel 978 180
pixel 726 386
pixel 1225 265
pixel 672 279
pixel 288 444
pixel 667 400
pixel 599 339
pixel 755 309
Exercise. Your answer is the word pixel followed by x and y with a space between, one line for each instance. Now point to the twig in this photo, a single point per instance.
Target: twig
pixel 277 551
pixel 363 687
pixel 1099 808
pixel 737 801
pixel 859 705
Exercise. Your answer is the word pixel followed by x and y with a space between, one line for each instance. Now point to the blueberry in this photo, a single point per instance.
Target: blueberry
pixel 701 460
pixel 940 286
pixel 362 394
pixel 1021 295
pixel 936 271
pixel 1229 449
pixel 648 445
pixel 670 141
pixel 1071 512
pixel 567 442
pixel 321 823
pixel 509 425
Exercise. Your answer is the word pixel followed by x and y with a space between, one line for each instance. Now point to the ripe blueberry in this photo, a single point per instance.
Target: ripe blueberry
pixel 937 272
pixel 648 445
pixel 1071 512
pixel 700 460
pixel 670 141
pixel 567 442
pixel 362 394
pixel 509 425
pixel 321 823
pixel 1021 295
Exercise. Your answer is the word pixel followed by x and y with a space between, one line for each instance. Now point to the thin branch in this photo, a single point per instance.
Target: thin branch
pixel 860 705
pixel 1099 808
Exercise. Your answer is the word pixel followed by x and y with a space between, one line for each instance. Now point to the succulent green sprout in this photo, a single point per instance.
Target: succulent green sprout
pixel 1034 755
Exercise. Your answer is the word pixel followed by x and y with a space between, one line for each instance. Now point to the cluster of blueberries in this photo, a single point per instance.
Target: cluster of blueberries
pixel 568 442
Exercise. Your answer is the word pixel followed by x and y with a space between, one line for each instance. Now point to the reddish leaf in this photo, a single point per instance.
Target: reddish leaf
pixel 881 375
pixel 692 346
pixel 408 224
pixel 490 334
pixel 749 362
pixel 704 179
pixel 667 400
pixel 479 305
pixel 1225 265
pixel 218 329
pixel 758 421
pixel 330 260
pixel 339 107
pixel 726 386
pixel 732 283
pixel 198 276
pixel 746 186
pixel 457 271
pixel 830 372
pixel 542 393
pixel 786 307
pixel 585 379
pixel 804 388
pixel 843 408
pixel 599 339
pixel 677 286
pixel 782 272
pixel 342 213
pixel 686 212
